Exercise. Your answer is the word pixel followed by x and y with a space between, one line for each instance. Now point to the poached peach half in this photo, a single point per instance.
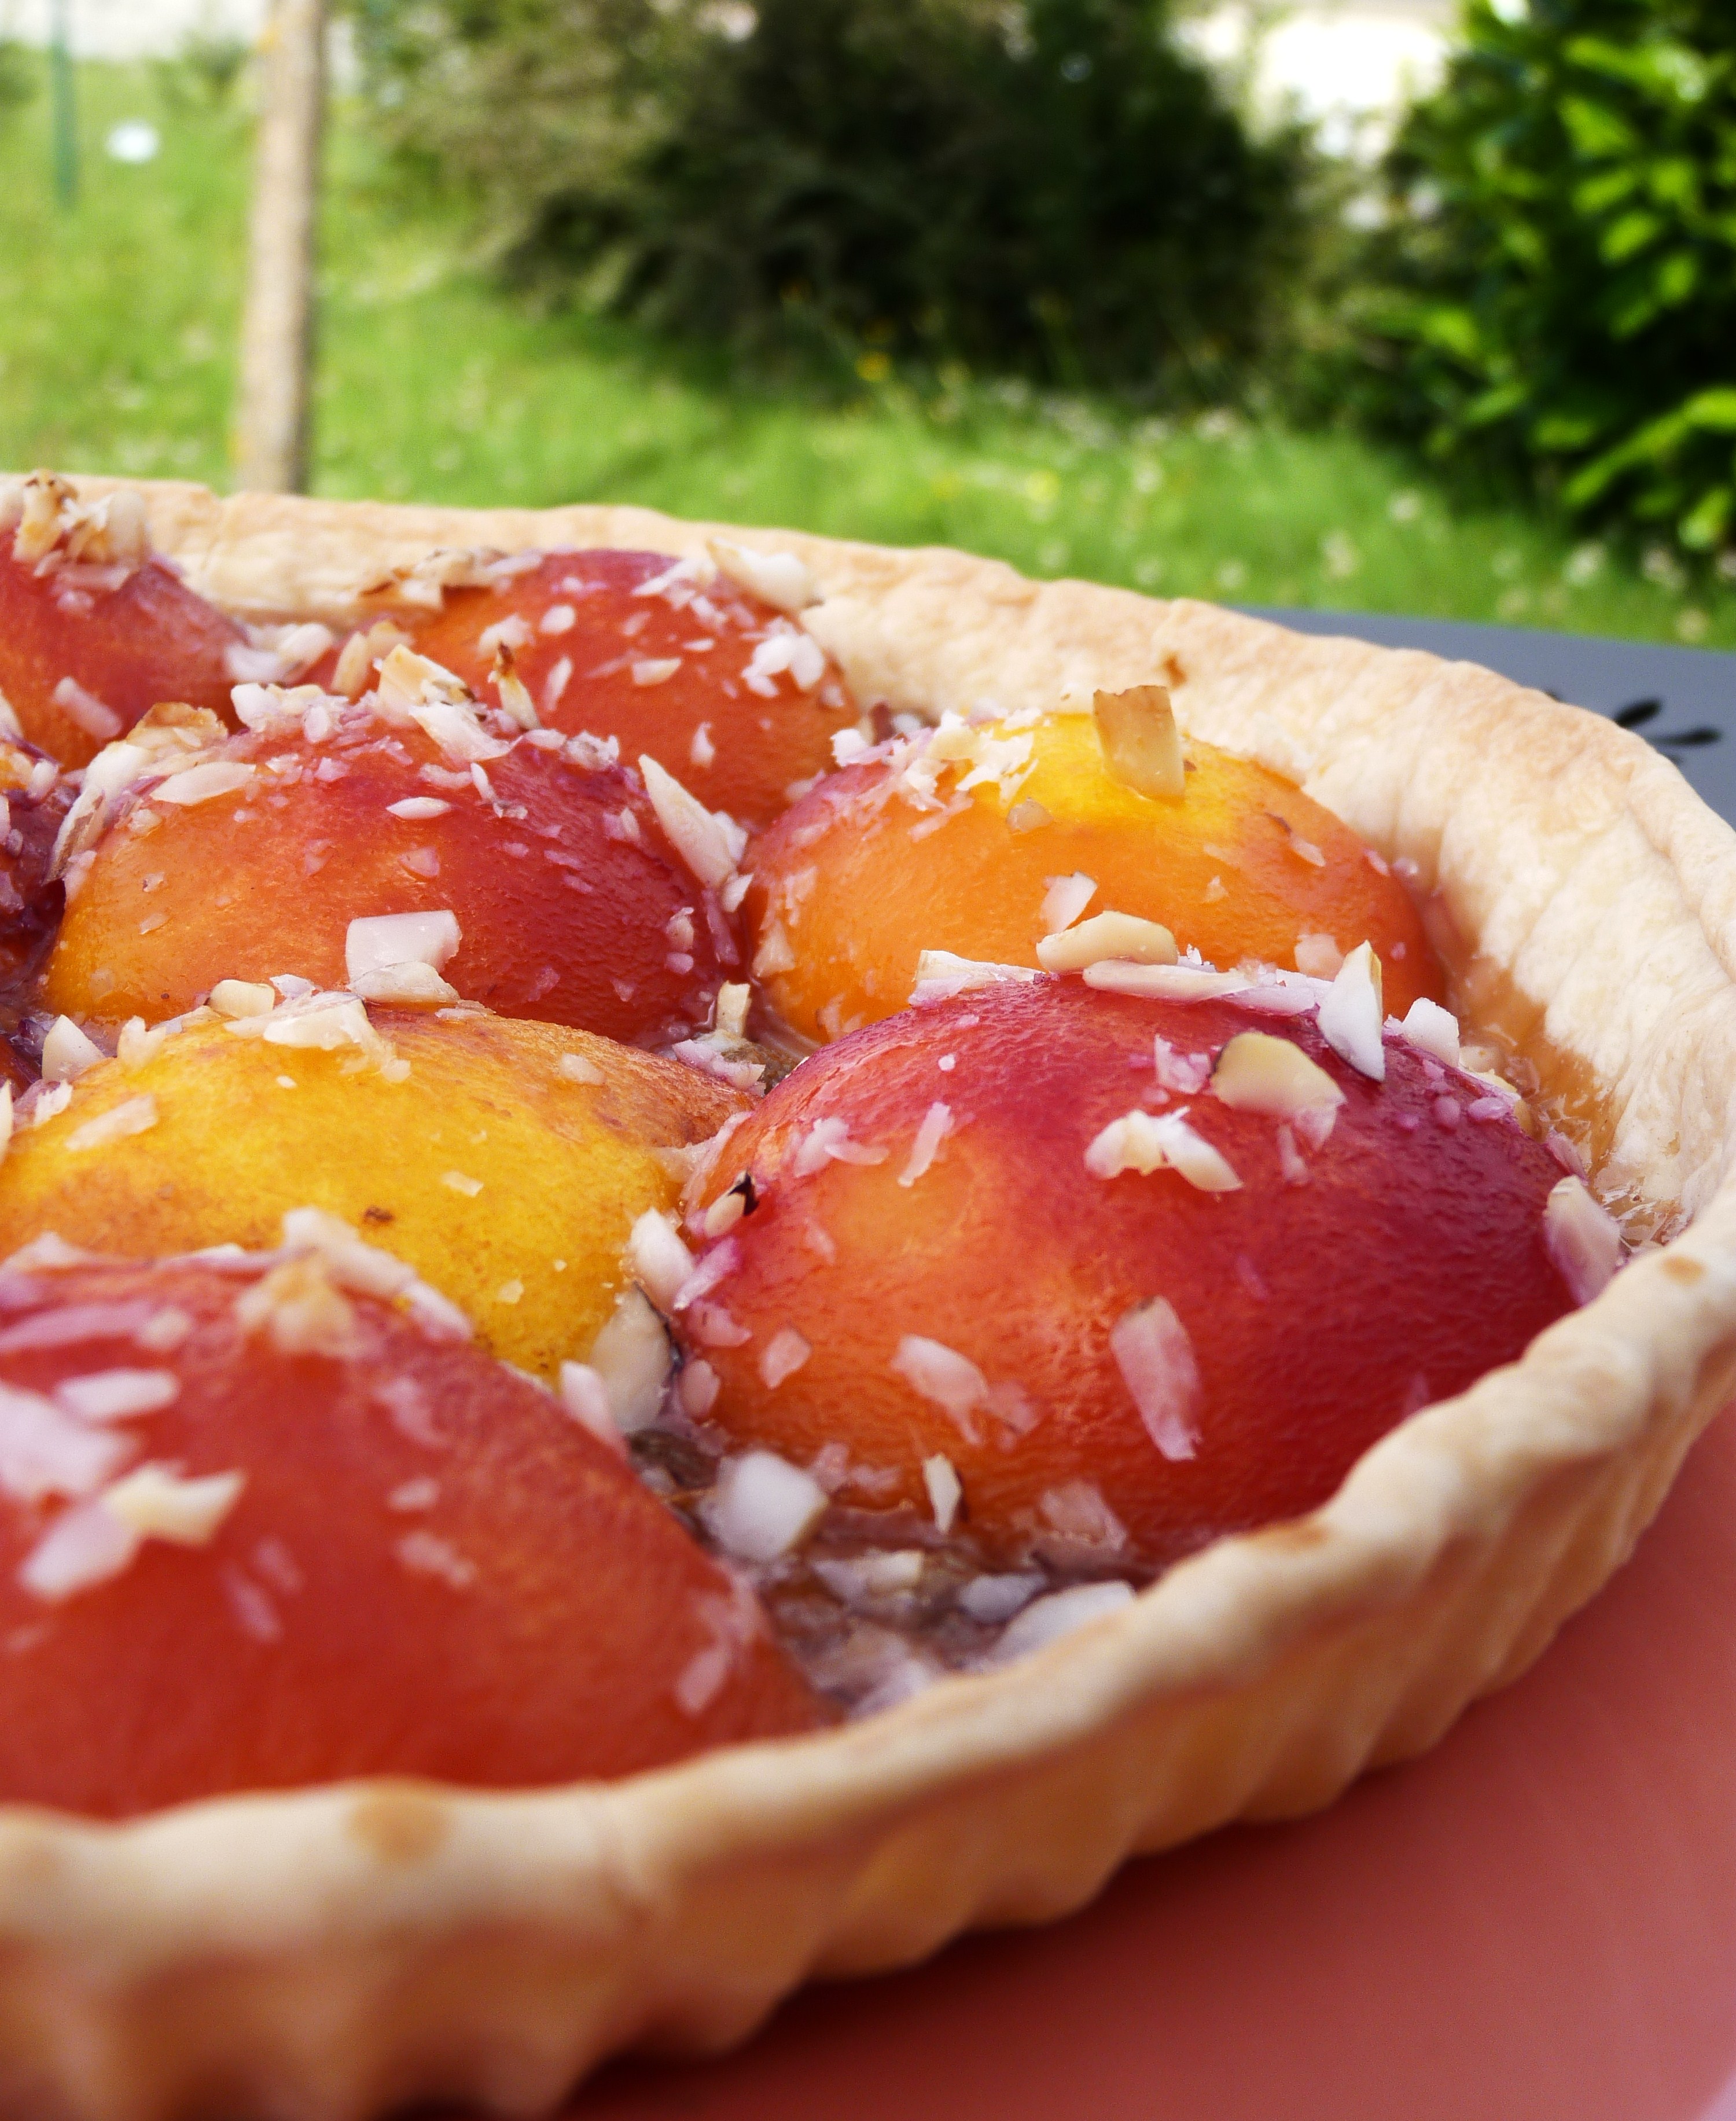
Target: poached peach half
pixel 250 855
pixel 262 1527
pixel 1044 1250
pixel 505 1162
pixel 717 682
pixel 982 840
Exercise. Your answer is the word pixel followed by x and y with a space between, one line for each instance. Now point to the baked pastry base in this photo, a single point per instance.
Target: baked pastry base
pixel 338 1952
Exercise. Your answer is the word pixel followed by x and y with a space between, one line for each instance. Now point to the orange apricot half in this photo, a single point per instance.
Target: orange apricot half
pixel 982 841
pixel 505 1162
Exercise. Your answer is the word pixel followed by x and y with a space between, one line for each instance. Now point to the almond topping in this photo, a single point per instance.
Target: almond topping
pixel 1119 937
pixel 1351 1015
pixel 1142 745
pixel 1257 1073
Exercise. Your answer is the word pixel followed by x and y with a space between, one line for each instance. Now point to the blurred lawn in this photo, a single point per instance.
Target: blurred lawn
pixel 117 329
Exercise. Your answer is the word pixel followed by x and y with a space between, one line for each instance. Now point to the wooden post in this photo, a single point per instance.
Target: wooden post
pixel 273 426
pixel 64 96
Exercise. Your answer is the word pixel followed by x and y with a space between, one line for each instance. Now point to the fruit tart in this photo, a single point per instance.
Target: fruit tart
pixel 722 1251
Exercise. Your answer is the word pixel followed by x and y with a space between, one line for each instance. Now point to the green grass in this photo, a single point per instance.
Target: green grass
pixel 118 325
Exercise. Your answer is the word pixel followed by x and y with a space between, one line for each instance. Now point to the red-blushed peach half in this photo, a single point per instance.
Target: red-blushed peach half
pixel 93 629
pixel 715 683
pixel 505 1162
pixel 251 856
pixel 932 1269
pixel 870 869
pixel 259 1530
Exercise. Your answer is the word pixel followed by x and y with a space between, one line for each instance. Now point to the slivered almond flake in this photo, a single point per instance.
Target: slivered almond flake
pixel 828 1141
pixel 879 1573
pixel 655 669
pixel 656 1258
pixel 85 1545
pixel 953 1382
pixel 1185 1073
pixel 778 579
pixel 730 1013
pixel 155 1502
pixel 1077 1510
pixel 53 1102
pixel 585 1396
pixel 68 1051
pixel 946 1490
pixel 384 940
pixel 45 1450
pixel 1352 1016
pixel 1121 937
pixel 1164 983
pixel 783 1354
pixel 418 808
pixel 235 998
pixel 775 954
pixel 405 986
pixel 202 783
pixel 460 1181
pixel 359 655
pixel 936 1124
pixel 1142 745
pixel 1155 1355
pixel 117 1395
pixel 940 975
pixel 143 1042
pixel 513 694
pixel 763 1505
pixel 95 717
pixel 426 1554
pixel 131 1115
pixel 301 1310
pixel 1047 1620
pixel 1145 1142
pixel 1318 956
pixel 1582 1238
pixel 317 1022
pixel 1065 900
pixel 1257 1073
pixel 631 1355
pixel 513 632
pixel 1432 1029
pixel 710 842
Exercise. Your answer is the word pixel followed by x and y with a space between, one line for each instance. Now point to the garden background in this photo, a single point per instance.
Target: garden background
pixel 756 264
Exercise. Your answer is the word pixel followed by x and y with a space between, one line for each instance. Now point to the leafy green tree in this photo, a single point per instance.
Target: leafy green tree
pixel 1554 295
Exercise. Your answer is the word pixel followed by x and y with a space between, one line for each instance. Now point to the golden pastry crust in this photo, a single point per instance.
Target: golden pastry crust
pixel 338 1952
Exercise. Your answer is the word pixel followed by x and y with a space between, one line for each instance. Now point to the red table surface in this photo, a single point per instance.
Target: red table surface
pixel 1536 1923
